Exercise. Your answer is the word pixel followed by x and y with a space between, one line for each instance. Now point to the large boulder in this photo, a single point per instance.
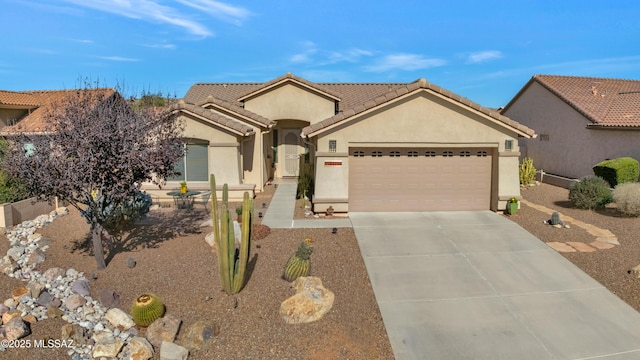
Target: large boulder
pixel 310 303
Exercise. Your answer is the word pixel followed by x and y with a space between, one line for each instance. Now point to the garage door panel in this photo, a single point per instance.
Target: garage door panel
pixel 419 179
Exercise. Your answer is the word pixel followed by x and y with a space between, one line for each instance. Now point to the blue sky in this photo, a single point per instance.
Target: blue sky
pixel 483 50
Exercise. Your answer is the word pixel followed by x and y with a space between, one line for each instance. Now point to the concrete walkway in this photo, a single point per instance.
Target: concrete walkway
pixel 474 285
pixel 280 211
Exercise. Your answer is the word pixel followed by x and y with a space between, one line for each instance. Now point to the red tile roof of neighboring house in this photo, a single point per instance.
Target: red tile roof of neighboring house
pixel 607 103
pixel 40 103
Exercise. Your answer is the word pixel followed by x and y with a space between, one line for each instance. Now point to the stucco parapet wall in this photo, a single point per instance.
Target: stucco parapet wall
pixel 418 85
pixel 234 125
pixel 289 77
pixel 509 154
pixel 210 100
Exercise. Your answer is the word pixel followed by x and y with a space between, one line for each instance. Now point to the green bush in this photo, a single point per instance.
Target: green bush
pixel 590 193
pixel 627 198
pixel 527 171
pixel 11 189
pixel 617 171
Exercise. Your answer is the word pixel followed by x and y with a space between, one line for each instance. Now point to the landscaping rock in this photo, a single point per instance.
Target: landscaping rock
pixel 19 292
pixel 35 288
pixel 3 309
pixel 310 303
pixel 109 298
pixel 10 315
pixel 15 253
pixel 16 328
pixel 52 273
pixel 8 266
pixel 45 299
pixel 119 319
pixel 208 223
pixel 199 333
pixel 140 349
pixel 131 262
pixel 163 329
pixel 74 301
pixel 36 257
pixel 108 348
pixel 74 332
pixel 30 319
pixel 210 239
pixel 81 287
pixel 54 312
pixel 171 351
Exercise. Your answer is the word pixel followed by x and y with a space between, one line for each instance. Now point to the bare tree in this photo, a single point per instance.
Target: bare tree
pixel 94 153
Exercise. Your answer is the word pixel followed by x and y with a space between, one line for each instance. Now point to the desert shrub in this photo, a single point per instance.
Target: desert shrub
pixel 119 216
pixel 590 193
pixel 617 171
pixel 627 198
pixel 527 171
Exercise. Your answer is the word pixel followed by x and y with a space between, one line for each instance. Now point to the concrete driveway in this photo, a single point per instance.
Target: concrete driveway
pixel 474 285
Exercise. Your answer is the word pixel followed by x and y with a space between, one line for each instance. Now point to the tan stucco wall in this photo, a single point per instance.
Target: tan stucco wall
pixel 572 149
pixel 291 102
pixel 419 121
pixel 9 116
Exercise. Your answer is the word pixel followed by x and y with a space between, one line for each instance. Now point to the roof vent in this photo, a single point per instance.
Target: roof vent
pixel 594 90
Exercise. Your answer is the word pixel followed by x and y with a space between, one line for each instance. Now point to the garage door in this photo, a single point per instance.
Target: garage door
pixel 399 179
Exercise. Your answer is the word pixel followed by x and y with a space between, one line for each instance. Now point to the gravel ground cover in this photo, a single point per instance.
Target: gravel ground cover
pixel 174 261
pixel 609 267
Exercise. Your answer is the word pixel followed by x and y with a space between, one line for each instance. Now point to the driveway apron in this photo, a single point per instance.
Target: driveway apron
pixel 474 285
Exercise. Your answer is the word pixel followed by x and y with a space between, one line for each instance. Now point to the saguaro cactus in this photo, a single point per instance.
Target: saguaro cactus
pixel 232 262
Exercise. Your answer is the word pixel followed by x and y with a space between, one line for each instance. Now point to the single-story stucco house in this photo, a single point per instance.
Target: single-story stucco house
pixel 373 146
pixel 580 122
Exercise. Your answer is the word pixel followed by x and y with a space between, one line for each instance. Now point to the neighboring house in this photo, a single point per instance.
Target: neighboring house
pixel 24 111
pixel 375 147
pixel 580 121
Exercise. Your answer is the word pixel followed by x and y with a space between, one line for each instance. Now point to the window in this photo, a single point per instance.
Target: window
pixel 376 153
pixel 358 153
pixel 413 154
pixel 447 153
pixel 482 153
pixel 544 137
pixel 430 154
pixel 465 153
pixel 333 145
pixel 508 145
pixel 394 153
pixel 194 166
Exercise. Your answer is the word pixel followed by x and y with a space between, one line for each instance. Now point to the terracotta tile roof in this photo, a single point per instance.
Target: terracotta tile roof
pixel 400 91
pixel 605 102
pixel 351 94
pixel 290 77
pixel 19 99
pixel 234 125
pixel 236 109
pixel 42 102
pixel 354 97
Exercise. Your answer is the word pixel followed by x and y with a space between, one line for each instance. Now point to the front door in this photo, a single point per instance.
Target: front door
pixel 291 142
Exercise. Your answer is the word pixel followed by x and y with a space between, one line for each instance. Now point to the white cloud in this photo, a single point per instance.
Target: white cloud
pixel 402 61
pixel 118 58
pixel 321 57
pixel 147 10
pixel 482 56
pixel 160 46
pixel 351 55
pixel 218 9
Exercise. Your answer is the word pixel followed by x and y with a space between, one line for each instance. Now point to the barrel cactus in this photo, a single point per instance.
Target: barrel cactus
pixel 146 309
pixel 299 264
pixel 555 219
